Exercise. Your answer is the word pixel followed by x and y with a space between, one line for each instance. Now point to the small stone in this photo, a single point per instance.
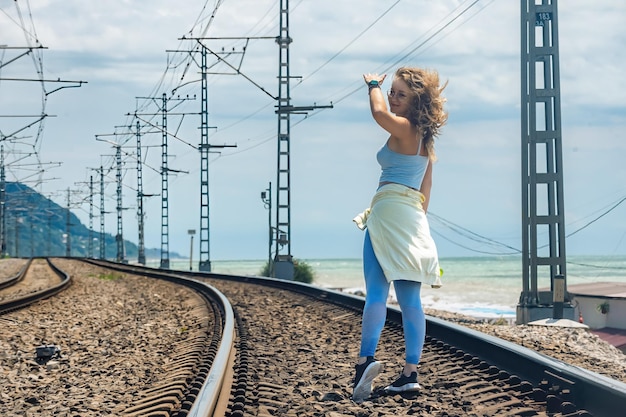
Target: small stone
pixel 331 396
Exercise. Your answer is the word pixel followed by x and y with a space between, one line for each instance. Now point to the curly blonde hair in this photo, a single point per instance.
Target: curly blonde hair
pixel 427 101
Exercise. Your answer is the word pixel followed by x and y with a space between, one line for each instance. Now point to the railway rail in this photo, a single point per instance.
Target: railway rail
pixel 47 280
pixel 280 348
pixel 184 396
pixel 15 273
pixel 480 374
pixel 193 382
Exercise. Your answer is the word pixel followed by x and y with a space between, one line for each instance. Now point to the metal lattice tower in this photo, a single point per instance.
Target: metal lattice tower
pixel 3 220
pixel 283 261
pixel 49 233
pixel 141 251
pixel 90 243
pixel 542 162
pixel 205 250
pixel 165 170
pixel 68 225
pixel 204 263
pixel 283 264
pixel 102 213
pixel 165 216
pixel 119 237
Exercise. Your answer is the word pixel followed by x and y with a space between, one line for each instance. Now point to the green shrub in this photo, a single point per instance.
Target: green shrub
pixel 501 321
pixel 303 272
pixel 604 307
pixel 109 276
pixel 265 271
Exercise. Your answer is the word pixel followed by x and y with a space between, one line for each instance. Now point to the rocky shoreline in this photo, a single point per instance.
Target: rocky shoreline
pixel 575 346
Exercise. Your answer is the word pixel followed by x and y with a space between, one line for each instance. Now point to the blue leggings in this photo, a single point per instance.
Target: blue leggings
pixel 375 310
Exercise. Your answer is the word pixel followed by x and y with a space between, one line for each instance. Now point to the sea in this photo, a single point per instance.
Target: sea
pixel 484 287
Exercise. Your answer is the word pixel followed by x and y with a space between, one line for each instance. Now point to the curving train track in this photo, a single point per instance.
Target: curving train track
pixel 38 279
pixel 275 348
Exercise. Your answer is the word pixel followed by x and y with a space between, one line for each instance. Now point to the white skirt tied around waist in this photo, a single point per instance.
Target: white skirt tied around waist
pixel 400 235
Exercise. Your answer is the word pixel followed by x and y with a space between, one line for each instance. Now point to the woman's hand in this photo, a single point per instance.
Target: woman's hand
pixel 374 77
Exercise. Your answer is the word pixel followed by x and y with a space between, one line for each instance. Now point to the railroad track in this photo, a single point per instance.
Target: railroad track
pixel 279 348
pixel 13 271
pixel 295 346
pixel 197 380
pixel 190 382
pixel 37 280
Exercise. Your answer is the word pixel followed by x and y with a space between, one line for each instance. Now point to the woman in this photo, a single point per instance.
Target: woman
pixel 397 245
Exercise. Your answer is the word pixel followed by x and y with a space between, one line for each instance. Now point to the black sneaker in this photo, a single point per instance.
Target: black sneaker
pixel 404 383
pixel 365 374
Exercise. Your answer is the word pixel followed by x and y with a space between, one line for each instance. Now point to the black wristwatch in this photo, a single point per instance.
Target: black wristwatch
pixel 373 84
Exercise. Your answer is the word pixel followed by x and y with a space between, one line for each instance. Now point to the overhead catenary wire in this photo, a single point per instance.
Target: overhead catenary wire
pixel 161 84
pixel 202 17
pixel 613 207
pixel 264 139
pixel 446 21
pixel 468 234
pixel 481 239
pixel 450 18
pixel 358 36
pixel 437 29
pixel 444 24
pixel 36 56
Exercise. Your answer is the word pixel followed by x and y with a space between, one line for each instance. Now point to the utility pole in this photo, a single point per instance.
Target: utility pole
pixel 283 261
pixel 102 213
pixel 49 236
pixel 68 225
pixel 542 163
pixel 165 216
pixel 91 214
pixel 121 251
pixel 141 251
pixel 119 237
pixel 3 199
pixel 204 263
pixel 165 170
pixel 89 252
pixel 18 220
pixel 90 243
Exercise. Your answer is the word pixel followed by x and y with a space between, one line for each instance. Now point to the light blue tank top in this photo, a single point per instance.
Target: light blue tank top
pixel 402 169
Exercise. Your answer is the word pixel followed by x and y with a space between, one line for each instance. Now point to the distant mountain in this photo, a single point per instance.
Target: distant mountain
pixel 36 226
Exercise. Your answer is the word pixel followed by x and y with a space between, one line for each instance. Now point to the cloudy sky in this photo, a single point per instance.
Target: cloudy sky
pixel 130 52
